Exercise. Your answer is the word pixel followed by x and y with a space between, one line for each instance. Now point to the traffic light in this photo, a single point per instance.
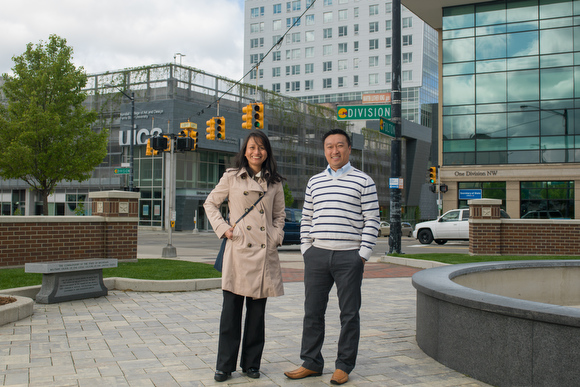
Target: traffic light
pixel 247 117
pixel 220 127
pixel 187 139
pixel 259 115
pixel 433 175
pixel 150 151
pixel 159 143
pixel 210 129
pixel 168 145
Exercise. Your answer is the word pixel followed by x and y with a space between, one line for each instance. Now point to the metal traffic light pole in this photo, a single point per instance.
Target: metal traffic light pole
pixel 396 118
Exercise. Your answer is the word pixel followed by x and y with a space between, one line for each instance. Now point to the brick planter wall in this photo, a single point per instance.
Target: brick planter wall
pixel 491 235
pixel 112 234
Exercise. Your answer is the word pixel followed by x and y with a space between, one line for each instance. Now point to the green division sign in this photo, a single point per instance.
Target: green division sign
pixel 362 112
pixel 122 171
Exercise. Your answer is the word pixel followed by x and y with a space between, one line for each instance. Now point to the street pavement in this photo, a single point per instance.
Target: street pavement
pixel 170 339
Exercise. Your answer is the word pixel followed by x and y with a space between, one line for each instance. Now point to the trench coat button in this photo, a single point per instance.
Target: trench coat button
pixel 261 211
pixel 246 193
pixel 247 209
pixel 262 228
pixel 263 246
pixel 243 177
pixel 249 227
pixel 261 194
pixel 249 245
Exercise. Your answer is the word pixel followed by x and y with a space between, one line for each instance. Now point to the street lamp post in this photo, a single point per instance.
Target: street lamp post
pixel 131 133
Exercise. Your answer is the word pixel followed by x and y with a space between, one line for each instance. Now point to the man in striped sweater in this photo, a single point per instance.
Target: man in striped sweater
pixel 340 223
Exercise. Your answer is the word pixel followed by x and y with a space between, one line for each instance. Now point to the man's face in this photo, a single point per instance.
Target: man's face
pixel 336 150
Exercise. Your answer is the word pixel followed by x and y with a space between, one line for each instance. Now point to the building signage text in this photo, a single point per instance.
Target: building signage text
pixel 359 112
pixel 475 173
pixel 376 98
pixel 142 115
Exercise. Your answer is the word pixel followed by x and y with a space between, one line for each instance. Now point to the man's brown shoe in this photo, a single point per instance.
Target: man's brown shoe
pixel 301 373
pixel 339 377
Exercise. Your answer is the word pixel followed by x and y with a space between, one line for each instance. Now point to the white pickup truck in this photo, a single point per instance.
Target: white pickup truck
pixel 453 225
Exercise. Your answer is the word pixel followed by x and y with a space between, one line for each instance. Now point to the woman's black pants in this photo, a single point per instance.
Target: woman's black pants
pixel 231 332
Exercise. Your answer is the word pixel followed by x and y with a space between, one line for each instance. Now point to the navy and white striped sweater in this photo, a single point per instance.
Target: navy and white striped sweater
pixel 340 213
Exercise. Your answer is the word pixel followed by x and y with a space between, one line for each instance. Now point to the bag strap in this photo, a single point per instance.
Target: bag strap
pixel 250 209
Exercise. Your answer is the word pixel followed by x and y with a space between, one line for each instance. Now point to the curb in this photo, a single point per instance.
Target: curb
pixel 20 309
pixel 420 263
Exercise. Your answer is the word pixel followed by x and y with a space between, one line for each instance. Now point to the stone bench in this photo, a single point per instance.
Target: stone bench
pixel 70 280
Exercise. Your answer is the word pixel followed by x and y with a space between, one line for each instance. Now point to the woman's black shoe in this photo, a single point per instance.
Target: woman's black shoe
pixel 253 373
pixel 221 376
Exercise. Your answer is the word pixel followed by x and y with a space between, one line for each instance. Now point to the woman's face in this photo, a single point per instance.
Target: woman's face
pixel 255 154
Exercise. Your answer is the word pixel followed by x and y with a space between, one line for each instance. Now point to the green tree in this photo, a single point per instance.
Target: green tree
pixel 288 198
pixel 45 130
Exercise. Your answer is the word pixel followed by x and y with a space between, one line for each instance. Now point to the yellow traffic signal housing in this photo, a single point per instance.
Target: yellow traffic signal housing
pixel 168 148
pixel 247 117
pixel 210 129
pixel 433 175
pixel 150 151
pixel 193 134
pixel 220 127
pixel 259 115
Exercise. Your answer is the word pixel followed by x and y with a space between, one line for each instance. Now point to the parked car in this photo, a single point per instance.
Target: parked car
pixel 542 215
pixel 385 229
pixel 292 226
pixel 453 225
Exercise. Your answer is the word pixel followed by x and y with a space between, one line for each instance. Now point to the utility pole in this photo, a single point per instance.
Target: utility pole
pixel 170 251
pixel 396 118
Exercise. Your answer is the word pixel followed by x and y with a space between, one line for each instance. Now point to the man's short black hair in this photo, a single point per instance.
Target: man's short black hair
pixel 336 131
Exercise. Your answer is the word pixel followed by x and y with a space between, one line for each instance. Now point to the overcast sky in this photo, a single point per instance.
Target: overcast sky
pixel 115 34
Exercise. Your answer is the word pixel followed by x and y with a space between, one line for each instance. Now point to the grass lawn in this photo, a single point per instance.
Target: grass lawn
pixel 148 269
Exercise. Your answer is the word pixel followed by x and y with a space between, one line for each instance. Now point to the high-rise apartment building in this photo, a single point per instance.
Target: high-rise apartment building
pixel 335 51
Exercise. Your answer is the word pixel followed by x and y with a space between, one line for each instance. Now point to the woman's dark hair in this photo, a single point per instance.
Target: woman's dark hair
pixel 336 131
pixel 269 167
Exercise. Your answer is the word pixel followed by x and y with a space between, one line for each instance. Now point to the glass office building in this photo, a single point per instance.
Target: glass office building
pixel 510 76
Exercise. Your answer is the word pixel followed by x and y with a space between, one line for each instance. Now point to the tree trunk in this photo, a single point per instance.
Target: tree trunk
pixel 44 203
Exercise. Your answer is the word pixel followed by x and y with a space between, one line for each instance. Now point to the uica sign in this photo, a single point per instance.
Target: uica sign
pixel 360 112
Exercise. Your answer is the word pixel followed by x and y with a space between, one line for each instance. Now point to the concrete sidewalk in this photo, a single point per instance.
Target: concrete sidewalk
pixel 139 339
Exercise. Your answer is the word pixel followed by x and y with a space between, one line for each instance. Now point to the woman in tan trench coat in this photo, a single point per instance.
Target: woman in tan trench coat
pixel 251 267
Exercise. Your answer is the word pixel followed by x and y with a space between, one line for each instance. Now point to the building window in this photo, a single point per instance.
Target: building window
pixel 327 3
pixel 257 42
pixel 388 59
pixel 388 42
pixel 277 9
pixel 327 50
pixel 296 5
pixel 327 66
pixel 327 33
pixel 343 64
pixel 356 46
pixel 293 54
pixel 276 39
pixel 295 69
pixel 355 80
pixel 388 78
pixel 309 36
pixel 373 61
pixel 296 37
pixel 275 72
pixel 537 196
pixel 309 52
pixel 373 79
pixel 308 85
pixel 342 14
pixel 388 25
pixel 257 12
pixel 309 20
pixel 373 44
pixel 407 75
pixel 374 27
pixel 308 68
pixel 276 87
pixel 373 9
pixel 254 58
pixel 407 40
pixel 342 31
pixel 256 28
pixel 276 56
pixel 407 22
pixel 341 81
pixel 327 17
pixel 407 57
pixel 276 25
pixel 342 48
pixel 389 8
pixel 294 21
pixel 355 11
pixel 356 29
pixel 327 83
pixel 355 62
